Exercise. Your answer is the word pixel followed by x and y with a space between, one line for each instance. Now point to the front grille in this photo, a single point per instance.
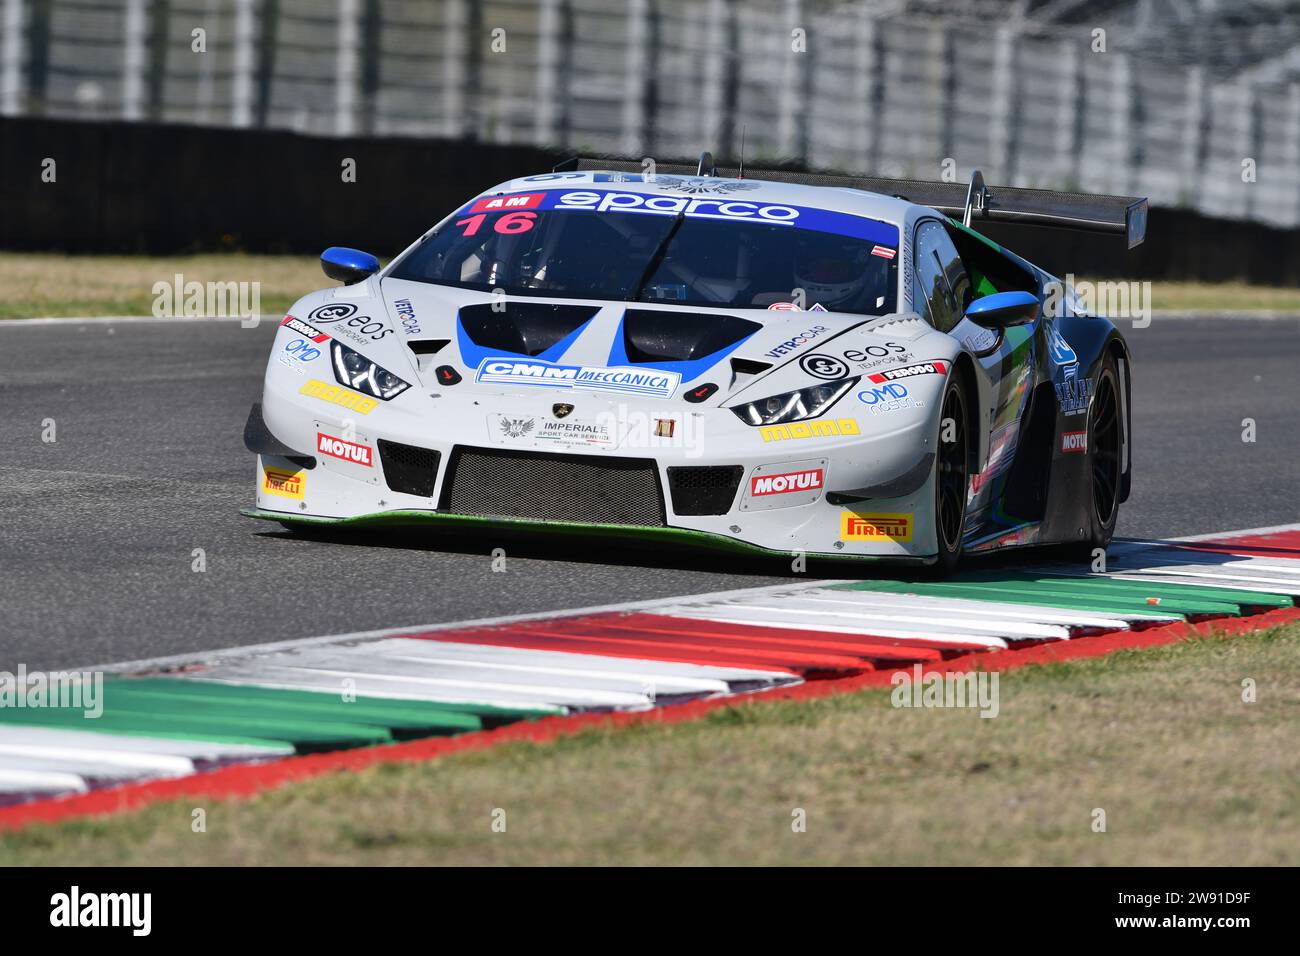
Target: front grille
pixel 408 468
pixel 520 484
pixel 704 489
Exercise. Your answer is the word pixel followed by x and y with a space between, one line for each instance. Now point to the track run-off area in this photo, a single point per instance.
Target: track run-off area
pixel 232 722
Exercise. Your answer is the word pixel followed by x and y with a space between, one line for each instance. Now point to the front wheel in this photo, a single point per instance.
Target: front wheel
pixel 1105 438
pixel 951 476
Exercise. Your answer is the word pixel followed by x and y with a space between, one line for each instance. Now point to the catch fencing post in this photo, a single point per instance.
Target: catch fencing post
pixel 133 60
pixel 11 58
pixel 241 95
pixel 345 69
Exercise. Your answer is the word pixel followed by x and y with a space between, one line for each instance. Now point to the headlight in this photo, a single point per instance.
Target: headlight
pixel 793 406
pixel 356 371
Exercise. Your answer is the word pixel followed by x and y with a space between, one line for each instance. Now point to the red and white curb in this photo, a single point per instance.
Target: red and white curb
pixel 634 661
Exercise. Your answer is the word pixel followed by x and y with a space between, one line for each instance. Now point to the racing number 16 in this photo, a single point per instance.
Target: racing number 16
pixel 511 222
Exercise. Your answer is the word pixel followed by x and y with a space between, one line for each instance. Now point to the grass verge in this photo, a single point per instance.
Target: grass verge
pixel 1161 739
pixel 38 285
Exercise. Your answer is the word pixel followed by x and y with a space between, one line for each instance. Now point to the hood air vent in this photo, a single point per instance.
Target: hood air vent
pixel 653 336
pixel 523 328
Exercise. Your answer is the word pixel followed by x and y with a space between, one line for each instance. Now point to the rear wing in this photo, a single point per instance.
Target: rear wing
pixel 971 203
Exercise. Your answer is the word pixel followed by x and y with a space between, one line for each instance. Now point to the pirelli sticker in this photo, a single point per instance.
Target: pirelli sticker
pixel 856 526
pixel 286 484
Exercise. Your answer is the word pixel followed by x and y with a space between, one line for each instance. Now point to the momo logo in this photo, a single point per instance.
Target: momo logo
pixel 875 527
pixel 286 484
pixel 810 480
pixel 346 450
pixel 338 395
pixel 907 371
pixel 821 428
pixel 673 205
pixel 1074 441
pixel 648 383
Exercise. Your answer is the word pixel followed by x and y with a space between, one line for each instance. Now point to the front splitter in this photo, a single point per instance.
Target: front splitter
pixel 678 537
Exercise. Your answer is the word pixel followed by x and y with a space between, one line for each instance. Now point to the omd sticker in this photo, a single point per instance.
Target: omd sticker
pixel 785 484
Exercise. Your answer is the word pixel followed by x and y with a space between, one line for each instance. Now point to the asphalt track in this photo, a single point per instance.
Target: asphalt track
pixel 98 529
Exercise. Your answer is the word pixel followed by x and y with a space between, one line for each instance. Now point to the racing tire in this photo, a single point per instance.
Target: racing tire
pixel 951 476
pixel 1105 467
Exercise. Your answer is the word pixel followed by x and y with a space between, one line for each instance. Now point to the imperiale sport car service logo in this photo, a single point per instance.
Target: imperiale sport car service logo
pixel 338 395
pixel 875 527
pixel 821 428
pixel 649 383
pixel 341 448
pixel 810 480
pixel 286 484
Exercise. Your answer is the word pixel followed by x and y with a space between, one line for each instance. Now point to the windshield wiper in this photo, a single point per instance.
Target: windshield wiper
pixel 657 259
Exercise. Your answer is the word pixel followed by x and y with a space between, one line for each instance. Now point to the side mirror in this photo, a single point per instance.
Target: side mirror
pixel 348 265
pixel 1003 309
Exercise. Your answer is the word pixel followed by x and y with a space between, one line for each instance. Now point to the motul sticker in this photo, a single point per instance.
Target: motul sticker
pixel 883 251
pixel 1074 441
pixel 907 371
pixel 346 450
pixel 786 483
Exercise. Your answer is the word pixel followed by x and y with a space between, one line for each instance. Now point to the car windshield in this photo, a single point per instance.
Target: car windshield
pixel 683 254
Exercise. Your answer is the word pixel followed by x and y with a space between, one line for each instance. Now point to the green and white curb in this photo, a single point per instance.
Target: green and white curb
pixel 187 715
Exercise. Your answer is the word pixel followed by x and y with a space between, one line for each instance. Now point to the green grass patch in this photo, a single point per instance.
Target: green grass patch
pixel 1161 739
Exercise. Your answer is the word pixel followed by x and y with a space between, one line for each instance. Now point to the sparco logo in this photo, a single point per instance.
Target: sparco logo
pixel 781 484
pixel 907 371
pixel 672 205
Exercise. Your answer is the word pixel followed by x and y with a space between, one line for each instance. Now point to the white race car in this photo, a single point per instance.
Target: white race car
pixel 780 363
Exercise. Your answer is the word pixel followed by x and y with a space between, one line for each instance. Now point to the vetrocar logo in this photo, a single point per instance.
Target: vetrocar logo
pixel 649 383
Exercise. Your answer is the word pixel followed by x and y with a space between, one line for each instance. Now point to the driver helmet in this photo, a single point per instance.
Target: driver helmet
pixel 832 273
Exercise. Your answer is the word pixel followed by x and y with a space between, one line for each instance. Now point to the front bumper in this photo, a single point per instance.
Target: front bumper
pixel 844 516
